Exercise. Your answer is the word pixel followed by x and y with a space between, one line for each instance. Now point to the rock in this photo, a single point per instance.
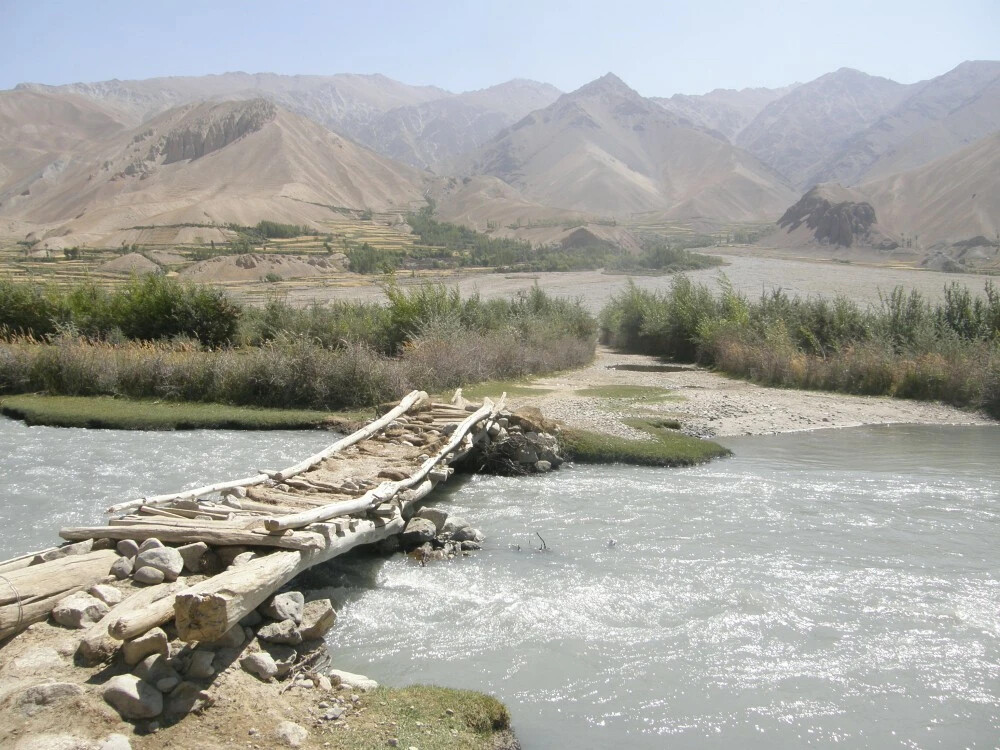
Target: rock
pixel 291 734
pixel 166 684
pixel 355 681
pixel 417 531
pixel 191 554
pixel 229 553
pixel 187 698
pixel 233 638
pixel 243 558
pixel 334 714
pixel 37 697
pixel 151 642
pixel 150 543
pixel 543 466
pixel 166 559
pixel 454 523
pixel 154 668
pixel 252 619
pixel 116 742
pixel 201 667
pixel 468 546
pixel 317 618
pixel 149 576
pixel 435 515
pixel 387 546
pixel 284 657
pixel 260 665
pixel 133 698
pixel 121 568
pixel 526 456
pixel 530 419
pixel 127 548
pixel 211 564
pixel 467 534
pixel 107 594
pixel 79 610
pixel 285 606
pixel 285 631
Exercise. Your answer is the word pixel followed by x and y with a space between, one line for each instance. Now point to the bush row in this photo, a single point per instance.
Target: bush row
pixel 905 346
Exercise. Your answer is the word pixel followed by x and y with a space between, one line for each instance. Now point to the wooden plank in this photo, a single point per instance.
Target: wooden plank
pixel 206 533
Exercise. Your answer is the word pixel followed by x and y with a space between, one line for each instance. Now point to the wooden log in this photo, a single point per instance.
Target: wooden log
pixel 97 645
pixel 410 400
pixel 189 494
pixel 384 491
pixel 146 613
pixel 206 611
pixel 28 594
pixel 45 555
pixel 210 533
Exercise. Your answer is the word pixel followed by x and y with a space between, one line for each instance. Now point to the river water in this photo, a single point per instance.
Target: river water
pixel 839 587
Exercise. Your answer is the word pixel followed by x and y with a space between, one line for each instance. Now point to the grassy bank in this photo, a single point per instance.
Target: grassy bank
pixel 126 414
pixel 663 448
pixel 321 358
pixel 904 347
pixel 418 716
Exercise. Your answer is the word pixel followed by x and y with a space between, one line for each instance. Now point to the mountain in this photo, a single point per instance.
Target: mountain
pixel 937 117
pixel 39 132
pixel 604 149
pixel 798 133
pixel 330 100
pixel 423 126
pixel 954 198
pixel 212 162
pixel 722 111
pixel 433 134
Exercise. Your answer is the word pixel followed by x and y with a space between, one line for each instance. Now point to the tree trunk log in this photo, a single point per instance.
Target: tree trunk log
pixel 97 645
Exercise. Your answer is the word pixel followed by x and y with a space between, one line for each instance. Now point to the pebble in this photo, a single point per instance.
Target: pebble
pixel 149 576
pixel 121 568
pixel 127 548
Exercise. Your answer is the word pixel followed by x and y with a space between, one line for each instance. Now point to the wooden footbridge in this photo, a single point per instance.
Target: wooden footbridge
pixel 357 491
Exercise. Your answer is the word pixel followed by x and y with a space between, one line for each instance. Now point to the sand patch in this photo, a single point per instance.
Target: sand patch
pixel 130 263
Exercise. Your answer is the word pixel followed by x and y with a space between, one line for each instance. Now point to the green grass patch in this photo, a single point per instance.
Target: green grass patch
pixel 628 392
pixel 663 448
pixel 126 414
pixel 495 388
pixel 418 716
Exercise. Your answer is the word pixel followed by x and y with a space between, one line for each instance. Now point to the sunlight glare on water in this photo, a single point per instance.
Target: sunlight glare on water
pixel 836 587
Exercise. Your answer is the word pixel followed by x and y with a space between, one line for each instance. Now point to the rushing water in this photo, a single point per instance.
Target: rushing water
pixel 835 587
pixel 52 477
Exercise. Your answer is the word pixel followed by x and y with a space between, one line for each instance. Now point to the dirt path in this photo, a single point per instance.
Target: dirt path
pixel 708 404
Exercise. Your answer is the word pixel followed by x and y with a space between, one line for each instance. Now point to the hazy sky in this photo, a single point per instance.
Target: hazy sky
pixel 659 48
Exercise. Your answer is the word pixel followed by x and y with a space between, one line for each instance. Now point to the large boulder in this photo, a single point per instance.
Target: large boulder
pixel 317 618
pixel 285 606
pixel 417 532
pixel 133 698
pixel 435 515
pixel 79 610
pixel 285 631
pixel 191 554
pixel 165 559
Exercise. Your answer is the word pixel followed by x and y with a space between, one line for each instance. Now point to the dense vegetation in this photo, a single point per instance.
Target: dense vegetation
pixel 321 357
pixel 905 347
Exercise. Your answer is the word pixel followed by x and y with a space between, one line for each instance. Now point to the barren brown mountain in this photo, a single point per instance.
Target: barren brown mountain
pixel 799 132
pixel 937 117
pixel 604 149
pixel 213 163
pixel 723 111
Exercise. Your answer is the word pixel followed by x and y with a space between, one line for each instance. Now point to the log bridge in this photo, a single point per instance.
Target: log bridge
pixel 357 491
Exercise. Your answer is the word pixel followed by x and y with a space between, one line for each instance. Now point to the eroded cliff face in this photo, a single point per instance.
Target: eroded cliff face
pixel 832 221
pixel 216 129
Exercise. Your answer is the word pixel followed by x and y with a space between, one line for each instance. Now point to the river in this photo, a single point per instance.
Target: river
pixel 837 587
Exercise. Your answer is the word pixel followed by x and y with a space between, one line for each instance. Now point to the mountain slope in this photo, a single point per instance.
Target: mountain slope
pixel 433 134
pixel 936 118
pixel 799 132
pixel 953 198
pixel 214 163
pixel 604 149
pixel 39 134
pixel 722 111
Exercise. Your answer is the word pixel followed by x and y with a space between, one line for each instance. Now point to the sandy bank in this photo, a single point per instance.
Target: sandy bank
pixel 708 404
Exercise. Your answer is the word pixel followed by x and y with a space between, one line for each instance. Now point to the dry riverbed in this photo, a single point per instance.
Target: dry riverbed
pixel 618 387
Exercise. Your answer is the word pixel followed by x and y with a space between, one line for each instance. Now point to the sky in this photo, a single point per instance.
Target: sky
pixel 658 48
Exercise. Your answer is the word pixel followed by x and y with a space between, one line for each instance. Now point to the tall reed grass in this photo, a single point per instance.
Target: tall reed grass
pixel 905 346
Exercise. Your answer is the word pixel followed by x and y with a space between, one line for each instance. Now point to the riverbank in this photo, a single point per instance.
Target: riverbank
pixel 106 412
pixel 707 404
